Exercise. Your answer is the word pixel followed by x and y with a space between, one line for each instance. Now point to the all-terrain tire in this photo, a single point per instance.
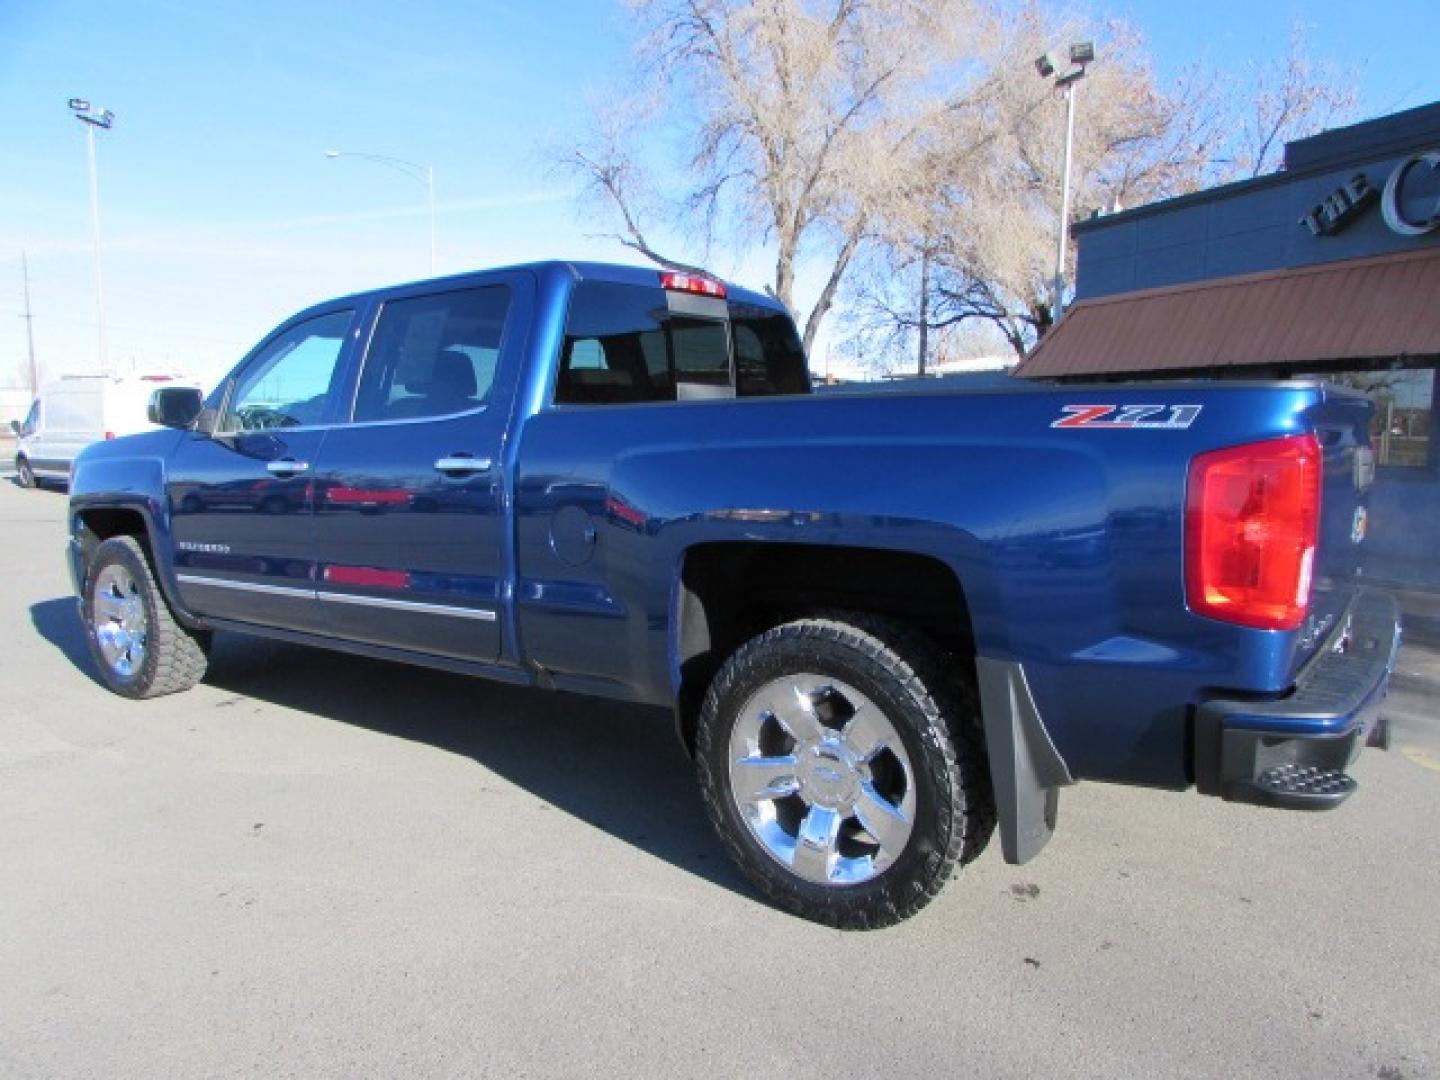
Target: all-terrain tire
pixel 140 649
pixel 930 706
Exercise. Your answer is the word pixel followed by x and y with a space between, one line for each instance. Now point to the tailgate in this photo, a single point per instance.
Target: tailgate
pixel 1342 422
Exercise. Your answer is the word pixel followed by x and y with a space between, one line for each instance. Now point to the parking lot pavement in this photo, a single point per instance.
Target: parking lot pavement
pixel 320 865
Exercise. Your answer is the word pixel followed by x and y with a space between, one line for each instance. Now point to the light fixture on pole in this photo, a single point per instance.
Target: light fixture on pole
pixel 1081 54
pixel 423 173
pixel 94 117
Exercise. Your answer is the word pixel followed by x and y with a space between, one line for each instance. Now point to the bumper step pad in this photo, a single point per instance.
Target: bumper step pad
pixel 1304 786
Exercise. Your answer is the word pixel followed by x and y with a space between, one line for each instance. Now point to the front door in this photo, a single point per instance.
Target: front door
pixel 241 499
pixel 409 520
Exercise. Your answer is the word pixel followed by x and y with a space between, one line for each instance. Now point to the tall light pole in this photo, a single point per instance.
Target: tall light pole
pixel 423 173
pixel 94 117
pixel 1068 82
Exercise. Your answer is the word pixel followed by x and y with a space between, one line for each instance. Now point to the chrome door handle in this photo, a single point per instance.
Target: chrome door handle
pixel 286 467
pixel 456 464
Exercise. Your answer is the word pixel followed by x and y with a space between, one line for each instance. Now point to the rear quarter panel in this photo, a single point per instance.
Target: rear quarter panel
pixel 1067 542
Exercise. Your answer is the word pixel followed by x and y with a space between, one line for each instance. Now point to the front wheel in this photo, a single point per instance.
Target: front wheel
pixel 139 648
pixel 24 474
pixel 842 764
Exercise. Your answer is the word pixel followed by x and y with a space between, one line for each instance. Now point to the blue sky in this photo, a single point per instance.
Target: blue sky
pixel 221 214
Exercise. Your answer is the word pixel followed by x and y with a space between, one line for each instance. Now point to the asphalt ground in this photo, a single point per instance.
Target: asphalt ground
pixel 317 865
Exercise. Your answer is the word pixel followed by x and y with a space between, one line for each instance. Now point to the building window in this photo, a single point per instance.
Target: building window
pixel 1404 410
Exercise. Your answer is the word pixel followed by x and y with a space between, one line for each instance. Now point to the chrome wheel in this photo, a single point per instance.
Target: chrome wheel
pixel 119 622
pixel 821 779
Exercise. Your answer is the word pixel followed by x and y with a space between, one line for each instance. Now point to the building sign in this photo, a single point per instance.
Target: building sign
pixel 1349 201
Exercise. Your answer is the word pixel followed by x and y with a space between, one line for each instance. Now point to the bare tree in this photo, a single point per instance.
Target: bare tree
pixel 1287 100
pixel 991 231
pixel 987 227
pixel 613 178
pixel 802 121
pixel 907 148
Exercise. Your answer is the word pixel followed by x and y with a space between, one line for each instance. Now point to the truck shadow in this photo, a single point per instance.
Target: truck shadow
pixel 58 623
pixel 615 767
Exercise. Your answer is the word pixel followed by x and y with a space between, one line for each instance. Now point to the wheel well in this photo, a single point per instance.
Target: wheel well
pixel 731 592
pixel 100 524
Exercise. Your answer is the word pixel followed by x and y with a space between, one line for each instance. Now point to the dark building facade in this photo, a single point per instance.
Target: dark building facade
pixel 1329 268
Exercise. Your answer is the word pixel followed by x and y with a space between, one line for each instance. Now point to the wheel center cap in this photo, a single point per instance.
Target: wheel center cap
pixel 827 776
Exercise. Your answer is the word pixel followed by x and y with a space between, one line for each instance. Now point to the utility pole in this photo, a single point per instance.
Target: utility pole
pixel 29 325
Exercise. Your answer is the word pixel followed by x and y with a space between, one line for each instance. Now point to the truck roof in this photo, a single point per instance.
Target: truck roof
pixel 620 273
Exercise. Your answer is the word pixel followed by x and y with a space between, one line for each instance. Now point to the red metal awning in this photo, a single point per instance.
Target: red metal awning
pixel 1374 309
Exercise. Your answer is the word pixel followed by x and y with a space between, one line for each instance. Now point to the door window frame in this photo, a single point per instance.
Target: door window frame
pixel 372 327
pixel 335 395
pixel 508 362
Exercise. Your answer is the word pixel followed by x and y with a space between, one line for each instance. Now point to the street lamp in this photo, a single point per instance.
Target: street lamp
pixel 93 117
pixel 423 173
pixel 1081 54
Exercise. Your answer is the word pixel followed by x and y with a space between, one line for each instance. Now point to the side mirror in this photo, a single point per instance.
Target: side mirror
pixel 175 407
pixel 16 428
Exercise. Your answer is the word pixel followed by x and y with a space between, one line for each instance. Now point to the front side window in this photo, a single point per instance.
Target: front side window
pixel 32 419
pixel 433 355
pixel 291 382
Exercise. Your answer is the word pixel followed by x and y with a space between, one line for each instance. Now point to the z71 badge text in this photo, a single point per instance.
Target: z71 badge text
pixel 1129 417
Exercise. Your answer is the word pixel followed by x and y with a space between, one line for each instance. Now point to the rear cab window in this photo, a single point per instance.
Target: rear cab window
pixel 627 344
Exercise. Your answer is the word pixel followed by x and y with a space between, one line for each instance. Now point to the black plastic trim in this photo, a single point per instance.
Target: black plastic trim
pixel 1323 723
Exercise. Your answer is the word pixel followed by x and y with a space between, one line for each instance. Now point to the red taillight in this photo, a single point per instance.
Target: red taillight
pixel 677 281
pixel 1251 518
pixel 109 434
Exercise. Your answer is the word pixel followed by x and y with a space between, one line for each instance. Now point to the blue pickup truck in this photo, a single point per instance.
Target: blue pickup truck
pixel 884 623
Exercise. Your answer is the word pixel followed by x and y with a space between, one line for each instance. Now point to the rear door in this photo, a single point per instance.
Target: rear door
pixel 409 496
pixel 241 500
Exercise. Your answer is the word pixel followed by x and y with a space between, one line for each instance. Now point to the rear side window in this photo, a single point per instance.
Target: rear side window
pixel 433 355
pixel 624 344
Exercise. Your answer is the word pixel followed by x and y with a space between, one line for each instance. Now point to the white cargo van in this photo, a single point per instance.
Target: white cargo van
pixel 76 410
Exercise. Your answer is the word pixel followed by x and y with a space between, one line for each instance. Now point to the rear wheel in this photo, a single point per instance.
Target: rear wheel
pixel 24 474
pixel 140 649
pixel 842 765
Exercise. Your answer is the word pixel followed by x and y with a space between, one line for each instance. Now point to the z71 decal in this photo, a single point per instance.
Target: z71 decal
pixel 1129 417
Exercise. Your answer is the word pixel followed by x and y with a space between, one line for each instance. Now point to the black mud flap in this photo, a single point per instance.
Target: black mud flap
pixel 1026 771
